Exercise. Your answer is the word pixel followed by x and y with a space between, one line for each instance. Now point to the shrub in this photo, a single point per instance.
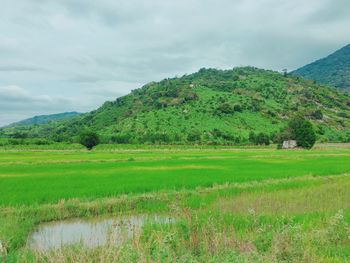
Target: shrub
pixel 19 135
pixel 194 136
pixel 89 139
pixel 259 139
pixel 343 115
pixel 255 106
pixel 317 115
pixel 321 130
pixel 226 108
pixel 252 137
pixel 42 142
pixel 262 139
pixel 237 108
pixel 121 138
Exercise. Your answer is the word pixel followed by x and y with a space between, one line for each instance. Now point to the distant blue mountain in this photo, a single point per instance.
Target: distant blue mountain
pixel 333 70
pixel 42 119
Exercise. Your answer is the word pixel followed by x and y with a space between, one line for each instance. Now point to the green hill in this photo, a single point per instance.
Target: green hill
pixel 211 106
pixel 333 70
pixel 42 119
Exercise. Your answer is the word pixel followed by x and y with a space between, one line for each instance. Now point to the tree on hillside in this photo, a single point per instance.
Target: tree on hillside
pixel 237 108
pixel 317 115
pixel 89 139
pixel 226 108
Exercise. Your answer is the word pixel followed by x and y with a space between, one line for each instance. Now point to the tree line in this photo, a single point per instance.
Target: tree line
pixel 298 129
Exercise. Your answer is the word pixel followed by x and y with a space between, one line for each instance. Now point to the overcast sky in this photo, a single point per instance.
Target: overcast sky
pixel 72 55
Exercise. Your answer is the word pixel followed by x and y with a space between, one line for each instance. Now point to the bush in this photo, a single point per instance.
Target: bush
pixel 226 108
pixel 262 139
pixel 156 138
pixel 194 136
pixel 237 108
pixel 317 115
pixel 343 115
pixel 121 138
pixel 42 142
pixel 89 139
pixel 19 135
pixel 259 139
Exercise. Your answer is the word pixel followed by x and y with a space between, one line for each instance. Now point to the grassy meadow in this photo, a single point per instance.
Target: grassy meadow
pixel 230 204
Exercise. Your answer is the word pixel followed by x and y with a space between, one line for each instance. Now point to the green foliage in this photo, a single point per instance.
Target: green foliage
pixel 333 70
pixel 259 139
pixel 19 135
pixel 226 108
pixel 194 136
pixel 121 138
pixel 237 108
pixel 262 139
pixel 89 139
pixel 302 131
pixel 317 115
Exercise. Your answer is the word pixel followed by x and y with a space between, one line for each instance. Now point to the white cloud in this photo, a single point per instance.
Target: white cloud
pixel 76 48
pixel 17 103
pixel 15 94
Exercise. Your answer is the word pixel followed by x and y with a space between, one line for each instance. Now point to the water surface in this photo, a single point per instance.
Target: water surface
pixel 90 232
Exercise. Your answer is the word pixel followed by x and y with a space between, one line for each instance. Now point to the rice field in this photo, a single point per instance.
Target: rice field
pixel 230 204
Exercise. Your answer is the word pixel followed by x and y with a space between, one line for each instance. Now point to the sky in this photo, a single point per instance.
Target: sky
pixel 73 55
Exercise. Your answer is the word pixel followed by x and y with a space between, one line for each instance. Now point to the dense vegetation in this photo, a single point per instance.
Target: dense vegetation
pixel 333 70
pixel 239 106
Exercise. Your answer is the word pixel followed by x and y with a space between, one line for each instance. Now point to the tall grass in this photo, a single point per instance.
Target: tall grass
pixel 199 237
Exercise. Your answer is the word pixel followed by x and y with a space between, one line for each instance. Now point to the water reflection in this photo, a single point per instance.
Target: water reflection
pixel 90 232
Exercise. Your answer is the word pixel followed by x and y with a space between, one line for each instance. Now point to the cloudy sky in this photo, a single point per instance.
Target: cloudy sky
pixel 72 55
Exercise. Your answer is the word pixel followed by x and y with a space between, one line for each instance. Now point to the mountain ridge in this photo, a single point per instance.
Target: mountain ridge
pixel 333 70
pixel 42 119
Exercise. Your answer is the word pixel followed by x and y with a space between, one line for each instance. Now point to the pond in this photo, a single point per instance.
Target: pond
pixel 90 232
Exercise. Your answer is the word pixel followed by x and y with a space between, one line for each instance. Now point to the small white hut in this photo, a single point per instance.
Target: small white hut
pixel 290 144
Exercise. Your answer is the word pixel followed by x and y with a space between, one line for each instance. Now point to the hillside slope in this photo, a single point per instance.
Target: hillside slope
pixel 42 119
pixel 210 106
pixel 333 70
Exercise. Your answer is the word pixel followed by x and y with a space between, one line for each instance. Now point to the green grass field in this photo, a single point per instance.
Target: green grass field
pixel 231 204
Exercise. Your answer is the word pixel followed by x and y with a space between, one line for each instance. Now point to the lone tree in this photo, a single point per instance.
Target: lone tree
pixel 89 139
pixel 302 131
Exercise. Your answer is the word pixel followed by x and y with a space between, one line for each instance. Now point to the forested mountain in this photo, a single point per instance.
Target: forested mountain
pixel 333 70
pixel 42 119
pixel 211 106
